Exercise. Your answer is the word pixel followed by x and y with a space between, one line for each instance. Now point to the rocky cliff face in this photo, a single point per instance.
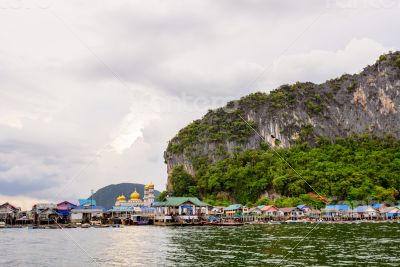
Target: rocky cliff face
pixel 368 102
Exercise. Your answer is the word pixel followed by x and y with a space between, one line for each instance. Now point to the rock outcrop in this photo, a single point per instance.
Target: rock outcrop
pixel 367 102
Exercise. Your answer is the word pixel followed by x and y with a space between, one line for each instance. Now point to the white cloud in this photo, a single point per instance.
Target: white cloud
pixel 320 65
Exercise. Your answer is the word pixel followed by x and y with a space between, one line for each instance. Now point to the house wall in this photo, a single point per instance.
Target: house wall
pixel 76 217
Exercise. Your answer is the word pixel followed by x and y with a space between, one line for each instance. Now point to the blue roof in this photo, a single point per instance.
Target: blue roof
pixel 123 208
pixel 148 209
pixel 144 209
pixel 377 206
pixel 63 212
pixel 261 206
pixel 85 202
pixel 66 204
pixel 338 207
pixel 301 206
pixel 90 208
pixel 362 208
pixel 234 207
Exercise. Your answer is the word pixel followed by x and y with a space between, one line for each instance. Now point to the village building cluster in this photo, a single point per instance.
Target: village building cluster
pixel 182 210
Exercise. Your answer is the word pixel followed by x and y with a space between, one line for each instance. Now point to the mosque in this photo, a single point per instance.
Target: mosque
pixel 135 200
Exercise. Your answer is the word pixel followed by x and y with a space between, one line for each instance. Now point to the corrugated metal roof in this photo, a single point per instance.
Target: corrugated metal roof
pixel 338 207
pixel 85 202
pixel 177 201
pixel 364 209
pixel 123 208
pixel 233 207
pixel 390 210
pixel 270 208
pixel 287 209
pixel 377 206
pixel 87 208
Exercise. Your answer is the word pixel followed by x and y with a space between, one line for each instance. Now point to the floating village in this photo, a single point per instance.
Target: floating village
pixel 183 211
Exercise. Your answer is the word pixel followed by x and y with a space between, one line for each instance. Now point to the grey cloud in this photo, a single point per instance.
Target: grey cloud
pixel 60 105
pixel 28 188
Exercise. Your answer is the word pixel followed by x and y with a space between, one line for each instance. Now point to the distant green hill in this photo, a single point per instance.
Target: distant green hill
pixel 106 196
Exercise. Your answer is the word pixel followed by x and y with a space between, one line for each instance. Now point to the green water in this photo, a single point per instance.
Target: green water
pixel 249 245
pixel 293 245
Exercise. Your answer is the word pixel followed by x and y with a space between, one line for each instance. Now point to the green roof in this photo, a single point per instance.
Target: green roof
pixel 177 201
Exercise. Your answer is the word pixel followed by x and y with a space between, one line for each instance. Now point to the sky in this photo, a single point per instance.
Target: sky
pixel 91 91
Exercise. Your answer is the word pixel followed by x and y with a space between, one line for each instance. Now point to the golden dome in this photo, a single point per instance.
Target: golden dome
pixel 150 186
pixel 121 198
pixel 146 187
pixel 135 195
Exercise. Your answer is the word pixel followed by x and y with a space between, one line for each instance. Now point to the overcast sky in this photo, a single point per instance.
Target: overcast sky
pixel 91 91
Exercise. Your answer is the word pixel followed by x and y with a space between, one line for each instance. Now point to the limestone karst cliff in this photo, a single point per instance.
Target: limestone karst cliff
pixel 367 102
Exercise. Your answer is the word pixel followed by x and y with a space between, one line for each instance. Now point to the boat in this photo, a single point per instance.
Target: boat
pixel 2 225
pixel 101 226
pixel 36 227
pixel 139 220
pixel 53 227
pixel 85 225
pixel 70 226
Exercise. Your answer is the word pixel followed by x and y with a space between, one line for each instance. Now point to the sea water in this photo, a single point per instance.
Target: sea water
pixel 365 244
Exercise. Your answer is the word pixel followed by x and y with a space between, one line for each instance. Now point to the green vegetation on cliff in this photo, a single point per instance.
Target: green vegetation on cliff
pixel 319 128
pixel 353 168
pixel 225 125
pixel 216 127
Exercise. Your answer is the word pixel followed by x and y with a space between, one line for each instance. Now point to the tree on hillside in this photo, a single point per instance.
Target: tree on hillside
pixel 182 181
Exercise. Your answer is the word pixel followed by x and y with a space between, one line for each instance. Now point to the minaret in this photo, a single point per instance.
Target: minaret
pixel 150 194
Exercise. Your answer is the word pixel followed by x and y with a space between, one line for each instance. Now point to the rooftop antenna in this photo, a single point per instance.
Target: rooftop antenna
pixel 91 203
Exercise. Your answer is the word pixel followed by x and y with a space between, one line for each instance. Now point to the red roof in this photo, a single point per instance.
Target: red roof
pixel 65 203
pixel 8 205
pixel 63 208
pixel 287 209
pixel 270 208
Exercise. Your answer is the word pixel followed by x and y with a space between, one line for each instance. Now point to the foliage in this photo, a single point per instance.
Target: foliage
pixel 352 87
pixel 382 58
pixel 393 58
pixel 163 195
pixel 294 201
pixel 353 168
pixel 215 127
pixel 182 181
pixel 397 61
pixel 314 105
pixel 217 202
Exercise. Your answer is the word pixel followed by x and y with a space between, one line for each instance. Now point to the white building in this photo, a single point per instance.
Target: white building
pixel 148 198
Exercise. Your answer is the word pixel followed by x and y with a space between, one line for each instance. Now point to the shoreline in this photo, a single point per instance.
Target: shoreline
pixel 72 226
